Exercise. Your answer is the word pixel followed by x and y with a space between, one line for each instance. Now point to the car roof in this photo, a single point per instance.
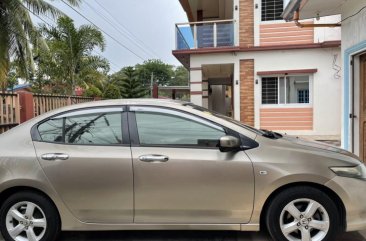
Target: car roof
pixel 156 102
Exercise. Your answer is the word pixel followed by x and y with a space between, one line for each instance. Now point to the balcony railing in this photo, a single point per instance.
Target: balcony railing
pixel 207 34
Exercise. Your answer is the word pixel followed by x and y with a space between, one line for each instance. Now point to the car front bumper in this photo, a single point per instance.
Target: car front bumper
pixel 353 194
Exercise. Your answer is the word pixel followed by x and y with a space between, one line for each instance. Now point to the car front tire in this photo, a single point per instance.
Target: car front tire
pixel 303 213
pixel 29 216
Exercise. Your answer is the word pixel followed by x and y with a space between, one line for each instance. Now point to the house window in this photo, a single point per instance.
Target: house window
pixel 286 90
pixel 303 96
pixel 270 90
pixel 272 10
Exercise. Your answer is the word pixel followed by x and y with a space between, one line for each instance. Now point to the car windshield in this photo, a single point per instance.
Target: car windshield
pixel 265 133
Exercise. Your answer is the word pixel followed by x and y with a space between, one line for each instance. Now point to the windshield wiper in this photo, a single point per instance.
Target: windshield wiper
pixel 271 134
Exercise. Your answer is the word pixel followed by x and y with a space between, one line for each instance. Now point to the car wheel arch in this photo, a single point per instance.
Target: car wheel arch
pixel 328 191
pixel 16 189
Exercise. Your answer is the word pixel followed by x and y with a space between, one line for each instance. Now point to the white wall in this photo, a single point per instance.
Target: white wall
pixel 326 87
pixel 353 30
pixel 327 34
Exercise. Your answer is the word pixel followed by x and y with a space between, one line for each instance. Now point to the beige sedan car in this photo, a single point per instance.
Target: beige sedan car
pixel 166 165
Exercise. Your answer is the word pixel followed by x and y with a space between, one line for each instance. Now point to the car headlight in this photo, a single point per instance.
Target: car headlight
pixel 352 172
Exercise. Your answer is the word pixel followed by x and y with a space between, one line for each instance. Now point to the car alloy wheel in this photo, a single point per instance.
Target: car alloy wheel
pixel 305 220
pixel 26 221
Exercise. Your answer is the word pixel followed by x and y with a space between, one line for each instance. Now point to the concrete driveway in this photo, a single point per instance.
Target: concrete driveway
pixel 182 236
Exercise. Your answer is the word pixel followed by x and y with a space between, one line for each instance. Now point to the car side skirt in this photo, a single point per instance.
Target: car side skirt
pixel 198 227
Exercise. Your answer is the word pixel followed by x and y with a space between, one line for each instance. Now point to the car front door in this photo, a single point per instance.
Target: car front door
pixel 180 175
pixel 87 158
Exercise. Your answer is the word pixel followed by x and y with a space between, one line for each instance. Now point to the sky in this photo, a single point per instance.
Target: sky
pixel 146 27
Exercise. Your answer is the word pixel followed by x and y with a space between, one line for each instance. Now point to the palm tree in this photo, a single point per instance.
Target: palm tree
pixel 18 34
pixel 70 59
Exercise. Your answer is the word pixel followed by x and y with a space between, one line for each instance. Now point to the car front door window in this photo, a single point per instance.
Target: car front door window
pixel 176 129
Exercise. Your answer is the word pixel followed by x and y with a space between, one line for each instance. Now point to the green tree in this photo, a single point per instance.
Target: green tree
pixel 18 34
pixel 161 72
pixel 12 80
pixel 180 78
pixel 93 91
pixel 130 85
pixel 112 91
pixel 70 61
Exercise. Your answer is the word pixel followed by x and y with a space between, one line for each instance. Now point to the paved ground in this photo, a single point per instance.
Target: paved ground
pixel 182 236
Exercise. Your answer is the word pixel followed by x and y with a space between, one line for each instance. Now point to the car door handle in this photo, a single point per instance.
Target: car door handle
pixel 153 158
pixel 55 156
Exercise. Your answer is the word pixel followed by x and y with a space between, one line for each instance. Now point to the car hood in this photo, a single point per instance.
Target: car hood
pixel 318 145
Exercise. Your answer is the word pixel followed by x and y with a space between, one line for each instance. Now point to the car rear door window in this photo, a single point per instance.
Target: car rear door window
pixel 85 127
pixel 176 129
pixel 51 130
pixel 96 129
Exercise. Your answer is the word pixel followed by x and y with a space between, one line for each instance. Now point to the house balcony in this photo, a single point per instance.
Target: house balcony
pixel 205 34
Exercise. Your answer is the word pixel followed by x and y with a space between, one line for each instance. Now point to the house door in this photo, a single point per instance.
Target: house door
pixel 363 107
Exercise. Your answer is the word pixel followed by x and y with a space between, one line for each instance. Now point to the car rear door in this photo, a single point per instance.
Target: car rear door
pixel 86 157
pixel 180 175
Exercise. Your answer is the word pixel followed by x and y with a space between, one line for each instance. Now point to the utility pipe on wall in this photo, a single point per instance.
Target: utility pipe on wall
pixel 301 25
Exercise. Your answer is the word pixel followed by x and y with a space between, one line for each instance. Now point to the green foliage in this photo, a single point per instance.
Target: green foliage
pixel 70 61
pixel 161 72
pixel 93 92
pixel 181 77
pixel 112 92
pixel 129 84
pixel 12 78
pixel 18 34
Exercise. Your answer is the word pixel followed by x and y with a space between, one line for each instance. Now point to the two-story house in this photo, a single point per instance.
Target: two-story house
pixel 245 61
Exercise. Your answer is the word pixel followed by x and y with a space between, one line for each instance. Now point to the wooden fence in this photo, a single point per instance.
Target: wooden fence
pixel 20 107
pixel 9 111
pixel 44 103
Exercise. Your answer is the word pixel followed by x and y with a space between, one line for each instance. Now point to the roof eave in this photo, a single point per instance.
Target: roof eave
pixel 187 8
pixel 292 7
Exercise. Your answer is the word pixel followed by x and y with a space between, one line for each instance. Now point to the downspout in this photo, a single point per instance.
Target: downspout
pixel 301 25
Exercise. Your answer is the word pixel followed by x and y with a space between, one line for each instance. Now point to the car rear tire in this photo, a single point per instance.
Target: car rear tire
pixel 303 213
pixel 29 216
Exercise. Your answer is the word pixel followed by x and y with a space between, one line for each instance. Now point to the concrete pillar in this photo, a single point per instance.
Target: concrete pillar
pixel 205 94
pixel 174 94
pixel 247 92
pixel 196 86
pixel 236 86
pixel 246 34
pixel 26 106
pixel 155 92
pixel 236 17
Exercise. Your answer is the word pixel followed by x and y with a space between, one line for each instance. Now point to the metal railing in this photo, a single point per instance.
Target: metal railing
pixel 205 34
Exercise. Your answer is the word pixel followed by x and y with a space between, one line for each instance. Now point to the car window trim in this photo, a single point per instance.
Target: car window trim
pixel 122 109
pixel 134 136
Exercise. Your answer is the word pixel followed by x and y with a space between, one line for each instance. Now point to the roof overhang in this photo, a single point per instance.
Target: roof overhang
pixel 184 56
pixel 187 8
pixel 313 8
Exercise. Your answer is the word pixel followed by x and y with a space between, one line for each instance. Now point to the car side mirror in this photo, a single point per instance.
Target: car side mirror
pixel 229 143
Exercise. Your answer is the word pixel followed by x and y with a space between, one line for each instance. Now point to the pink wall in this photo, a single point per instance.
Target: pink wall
pixel 282 119
pixel 285 34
